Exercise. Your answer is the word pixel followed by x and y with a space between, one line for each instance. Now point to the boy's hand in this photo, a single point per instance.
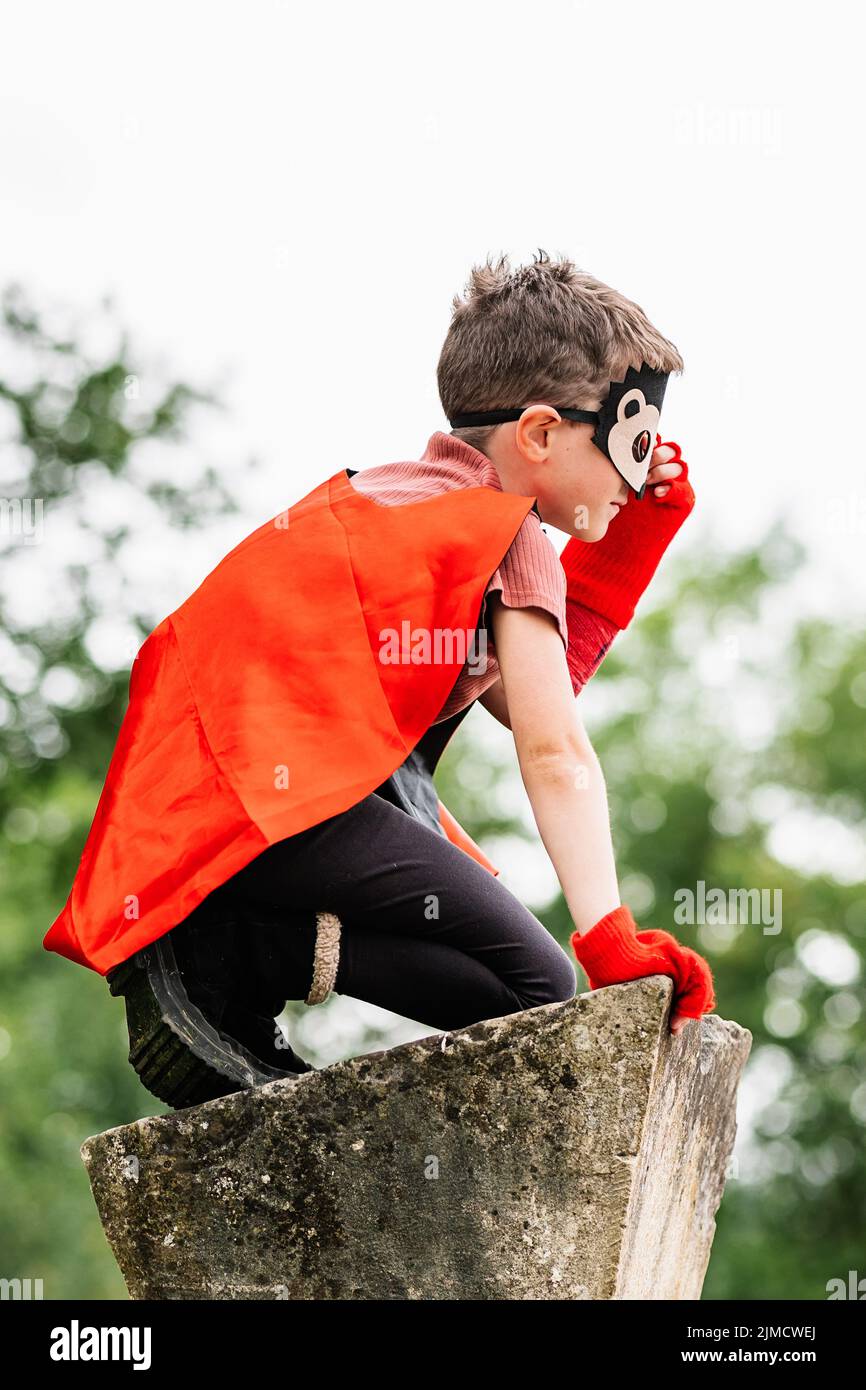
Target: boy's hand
pixel 614 951
pixel 678 1021
pixel 666 464
pixel 610 575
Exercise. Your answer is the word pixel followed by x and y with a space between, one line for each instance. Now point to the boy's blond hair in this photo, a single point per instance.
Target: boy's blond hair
pixel 543 332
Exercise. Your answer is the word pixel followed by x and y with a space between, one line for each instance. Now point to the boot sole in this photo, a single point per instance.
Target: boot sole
pixel 178 1054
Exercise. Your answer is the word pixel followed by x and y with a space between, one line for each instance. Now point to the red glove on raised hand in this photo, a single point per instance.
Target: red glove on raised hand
pixel 610 575
pixel 614 951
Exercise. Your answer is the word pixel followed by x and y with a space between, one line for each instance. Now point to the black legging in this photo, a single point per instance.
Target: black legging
pixel 427 931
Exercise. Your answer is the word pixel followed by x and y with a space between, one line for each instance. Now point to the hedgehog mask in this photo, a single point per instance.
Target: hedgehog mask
pixel 626 424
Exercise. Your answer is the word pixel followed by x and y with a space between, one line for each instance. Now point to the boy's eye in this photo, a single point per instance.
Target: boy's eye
pixel 641 446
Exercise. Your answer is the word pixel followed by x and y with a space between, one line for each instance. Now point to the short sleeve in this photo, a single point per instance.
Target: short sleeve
pixel 530 575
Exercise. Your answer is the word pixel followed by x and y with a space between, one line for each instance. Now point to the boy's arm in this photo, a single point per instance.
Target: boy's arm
pixel 567 792
pixel 605 579
pixel 609 576
pixel 559 767
pixel 589 638
pixel 495 703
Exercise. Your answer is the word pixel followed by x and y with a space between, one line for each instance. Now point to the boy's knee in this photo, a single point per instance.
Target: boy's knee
pixel 564 982
pixel 560 984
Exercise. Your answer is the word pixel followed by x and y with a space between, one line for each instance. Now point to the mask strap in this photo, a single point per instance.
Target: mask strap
pixel 502 417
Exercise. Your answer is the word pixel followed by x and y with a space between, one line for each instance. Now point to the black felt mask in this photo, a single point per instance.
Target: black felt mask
pixel 628 422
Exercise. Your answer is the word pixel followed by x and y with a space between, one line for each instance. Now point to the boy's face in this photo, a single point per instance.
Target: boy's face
pixel 578 489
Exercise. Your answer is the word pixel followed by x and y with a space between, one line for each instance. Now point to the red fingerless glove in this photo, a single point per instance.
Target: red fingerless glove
pixel 614 951
pixel 610 575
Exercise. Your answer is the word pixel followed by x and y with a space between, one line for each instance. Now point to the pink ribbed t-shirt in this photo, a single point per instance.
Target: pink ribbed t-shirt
pixel 529 574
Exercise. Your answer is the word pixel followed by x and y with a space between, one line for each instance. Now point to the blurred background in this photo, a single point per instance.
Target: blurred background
pixel 230 241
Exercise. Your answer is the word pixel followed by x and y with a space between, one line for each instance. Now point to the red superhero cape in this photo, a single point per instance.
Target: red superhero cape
pixel 262 706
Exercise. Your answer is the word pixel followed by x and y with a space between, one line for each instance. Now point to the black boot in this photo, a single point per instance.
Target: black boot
pixel 199 1011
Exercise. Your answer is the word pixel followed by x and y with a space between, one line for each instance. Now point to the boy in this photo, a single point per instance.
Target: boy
pixel 270 829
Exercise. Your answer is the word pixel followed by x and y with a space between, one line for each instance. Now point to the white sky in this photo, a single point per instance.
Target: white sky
pixel 285 197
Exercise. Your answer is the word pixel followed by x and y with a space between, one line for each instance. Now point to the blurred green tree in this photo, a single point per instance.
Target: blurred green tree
pixel 77 411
